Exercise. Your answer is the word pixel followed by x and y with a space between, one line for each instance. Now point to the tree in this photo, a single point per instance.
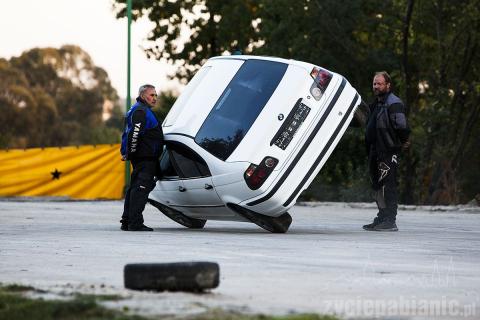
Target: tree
pixel 449 101
pixel 54 97
pixel 431 50
pixel 188 32
pixel 166 99
pixel 15 98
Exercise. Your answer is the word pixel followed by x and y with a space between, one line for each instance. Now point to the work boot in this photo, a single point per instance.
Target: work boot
pixel 124 226
pixel 370 226
pixel 386 225
pixel 139 228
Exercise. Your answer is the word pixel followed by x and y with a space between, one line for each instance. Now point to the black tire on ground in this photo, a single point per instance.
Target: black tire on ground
pixel 278 224
pixel 178 276
pixel 178 216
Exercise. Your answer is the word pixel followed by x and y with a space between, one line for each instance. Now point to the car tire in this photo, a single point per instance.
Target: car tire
pixel 178 276
pixel 282 222
pixel 278 224
pixel 178 216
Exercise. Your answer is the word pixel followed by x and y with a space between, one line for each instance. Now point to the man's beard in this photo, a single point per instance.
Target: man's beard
pixel 379 93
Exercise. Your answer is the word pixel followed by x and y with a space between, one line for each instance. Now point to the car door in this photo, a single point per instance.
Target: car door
pixel 169 189
pixel 198 195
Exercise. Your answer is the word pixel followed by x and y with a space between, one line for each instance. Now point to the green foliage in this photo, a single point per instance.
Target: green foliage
pixel 18 307
pixel 344 177
pixel 166 99
pixel 54 97
pixel 430 48
pixel 17 288
pixel 101 134
pixel 231 315
pixel 15 306
pixel 117 118
pixel 216 27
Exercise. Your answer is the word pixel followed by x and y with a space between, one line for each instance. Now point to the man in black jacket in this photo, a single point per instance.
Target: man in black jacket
pixel 142 144
pixel 386 135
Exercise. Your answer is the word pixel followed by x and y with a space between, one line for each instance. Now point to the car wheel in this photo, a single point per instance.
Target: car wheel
pixel 178 276
pixel 278 224
pixel 178 216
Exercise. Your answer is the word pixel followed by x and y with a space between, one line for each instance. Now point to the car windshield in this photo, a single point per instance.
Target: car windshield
pixel 238 106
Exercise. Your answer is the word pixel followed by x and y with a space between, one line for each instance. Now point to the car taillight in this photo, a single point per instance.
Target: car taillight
pixel 255 175
pixel 321 79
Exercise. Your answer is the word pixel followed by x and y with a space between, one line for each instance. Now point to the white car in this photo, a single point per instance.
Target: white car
pixel 247 136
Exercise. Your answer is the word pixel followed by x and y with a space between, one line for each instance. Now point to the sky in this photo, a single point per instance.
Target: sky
pixel 90 24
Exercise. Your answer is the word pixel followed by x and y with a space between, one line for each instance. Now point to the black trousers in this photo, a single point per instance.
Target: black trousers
pixel 142 181
pixel 383 175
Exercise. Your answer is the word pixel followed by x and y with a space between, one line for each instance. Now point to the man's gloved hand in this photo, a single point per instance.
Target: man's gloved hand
pixel 124 157
pixel 406 145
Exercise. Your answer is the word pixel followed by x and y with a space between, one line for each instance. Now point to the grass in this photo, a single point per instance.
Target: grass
pixel 15 306
pixel 225 315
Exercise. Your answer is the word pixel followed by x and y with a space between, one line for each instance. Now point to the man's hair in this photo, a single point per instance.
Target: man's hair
pixel 143 88
pixel 385 76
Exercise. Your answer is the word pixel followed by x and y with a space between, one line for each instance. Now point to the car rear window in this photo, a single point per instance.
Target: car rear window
pixel 238 106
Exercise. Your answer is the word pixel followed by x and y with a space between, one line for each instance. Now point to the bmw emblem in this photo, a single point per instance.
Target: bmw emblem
pixel 280 116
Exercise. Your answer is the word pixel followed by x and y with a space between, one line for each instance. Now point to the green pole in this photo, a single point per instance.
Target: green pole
pixel 128 100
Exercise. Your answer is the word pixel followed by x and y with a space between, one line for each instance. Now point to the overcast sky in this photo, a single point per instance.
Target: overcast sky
pixel 90 24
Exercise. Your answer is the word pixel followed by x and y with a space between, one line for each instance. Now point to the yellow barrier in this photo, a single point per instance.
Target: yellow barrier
pixel 85 172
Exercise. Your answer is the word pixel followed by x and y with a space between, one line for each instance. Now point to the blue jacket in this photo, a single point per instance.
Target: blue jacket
pixel 142 138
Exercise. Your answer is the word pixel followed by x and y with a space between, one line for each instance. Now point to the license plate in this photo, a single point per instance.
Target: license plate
pixel 288 129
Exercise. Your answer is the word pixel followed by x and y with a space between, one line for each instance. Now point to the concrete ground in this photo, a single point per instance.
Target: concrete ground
pixel 325 263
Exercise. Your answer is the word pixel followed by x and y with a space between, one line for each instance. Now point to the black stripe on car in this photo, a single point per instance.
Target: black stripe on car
pixel 304 147
pixel 322 154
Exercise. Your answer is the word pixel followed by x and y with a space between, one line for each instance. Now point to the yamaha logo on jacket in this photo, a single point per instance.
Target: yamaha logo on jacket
pixel 143 137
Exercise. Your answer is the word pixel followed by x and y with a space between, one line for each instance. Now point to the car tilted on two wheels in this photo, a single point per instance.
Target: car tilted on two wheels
pixel 246 136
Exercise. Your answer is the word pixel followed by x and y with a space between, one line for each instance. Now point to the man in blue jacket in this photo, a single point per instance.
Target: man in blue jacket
pixel 142 144
pixel 386 135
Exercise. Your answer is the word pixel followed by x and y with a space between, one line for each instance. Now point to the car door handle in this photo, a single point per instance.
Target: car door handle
pixel 208 186
pixel 181 189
